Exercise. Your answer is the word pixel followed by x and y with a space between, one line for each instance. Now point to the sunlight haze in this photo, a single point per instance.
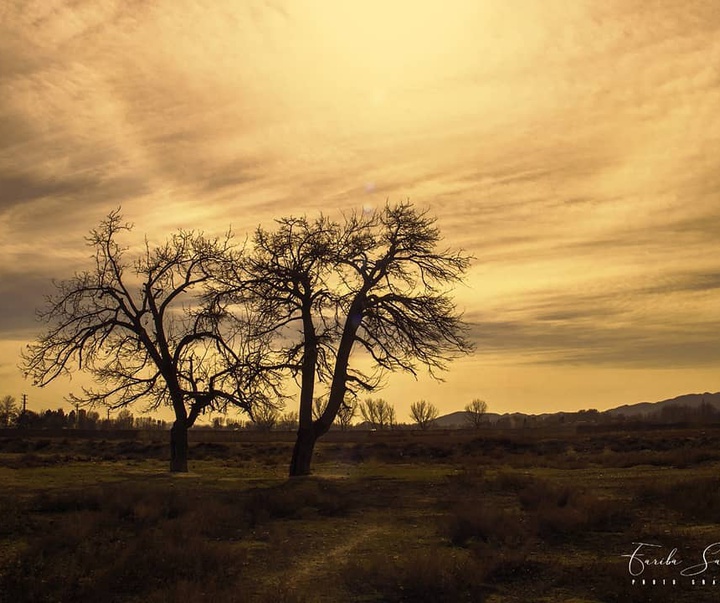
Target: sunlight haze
pixel 571 147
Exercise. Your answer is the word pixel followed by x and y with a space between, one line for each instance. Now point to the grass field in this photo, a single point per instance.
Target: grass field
pixel 510 517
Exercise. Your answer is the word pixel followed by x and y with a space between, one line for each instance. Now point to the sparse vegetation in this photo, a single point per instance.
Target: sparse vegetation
pixel 423 516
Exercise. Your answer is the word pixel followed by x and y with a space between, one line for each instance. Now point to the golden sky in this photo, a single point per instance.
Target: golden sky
pixel 571 147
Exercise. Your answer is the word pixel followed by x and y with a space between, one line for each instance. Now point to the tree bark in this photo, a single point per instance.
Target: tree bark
pixel 303 452
pixel 179 447
pixel 306 435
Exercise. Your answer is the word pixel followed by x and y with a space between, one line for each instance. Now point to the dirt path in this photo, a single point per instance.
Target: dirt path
pixel 314 565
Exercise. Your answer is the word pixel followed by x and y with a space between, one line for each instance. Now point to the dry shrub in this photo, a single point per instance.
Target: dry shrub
pixel 470 478
pixel 297 499
pixel 472 524
pixel 564 512
pixel 115 543
pixel 696 499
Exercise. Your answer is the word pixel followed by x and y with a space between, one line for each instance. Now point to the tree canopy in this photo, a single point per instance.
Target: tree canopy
pixel 197 324
pixel 373 288
pixel 143 331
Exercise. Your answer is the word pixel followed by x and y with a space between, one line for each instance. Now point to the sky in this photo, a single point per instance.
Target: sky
pixel 573 148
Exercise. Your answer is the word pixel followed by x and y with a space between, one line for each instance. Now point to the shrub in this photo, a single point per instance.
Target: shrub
pixel 697 499
pixel 478 524
pixel 297 498
pixel 562 511
pixel 115 542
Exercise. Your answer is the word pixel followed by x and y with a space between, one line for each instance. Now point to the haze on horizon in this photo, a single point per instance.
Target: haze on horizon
pixel 572 148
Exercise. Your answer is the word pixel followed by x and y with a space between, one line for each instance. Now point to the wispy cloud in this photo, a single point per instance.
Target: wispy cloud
pixel 571 148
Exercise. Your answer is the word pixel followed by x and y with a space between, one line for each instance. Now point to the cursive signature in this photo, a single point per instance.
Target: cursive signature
pixel 647 554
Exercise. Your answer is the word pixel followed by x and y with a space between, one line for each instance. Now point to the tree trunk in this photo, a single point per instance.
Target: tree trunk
pixel 303 452
pixel 179 447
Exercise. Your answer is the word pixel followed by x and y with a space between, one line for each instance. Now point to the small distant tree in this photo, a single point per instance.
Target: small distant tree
pixel 54 419
pixel 93 419
pixel 146 423
pixel 379 413
pixel 28 419
pixel 142 328
pixel 423 413
pixel 265 417
pixel 288 421
pixel 475 412
pixel 125 419
pixel 9 411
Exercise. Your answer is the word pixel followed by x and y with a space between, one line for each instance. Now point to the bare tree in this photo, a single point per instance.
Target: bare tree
pixel 265 417
pixel 142 331
pixel 379 413
pixel 288 421
pixel 374 284
pixel 475 412
pixel 9 411
pixel 423 413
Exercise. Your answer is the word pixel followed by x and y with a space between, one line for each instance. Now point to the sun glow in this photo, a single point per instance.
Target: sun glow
pixel 375 61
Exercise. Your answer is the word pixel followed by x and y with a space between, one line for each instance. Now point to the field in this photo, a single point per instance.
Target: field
pixel 496 517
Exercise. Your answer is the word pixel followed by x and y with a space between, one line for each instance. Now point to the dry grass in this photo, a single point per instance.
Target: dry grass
pixel 442 520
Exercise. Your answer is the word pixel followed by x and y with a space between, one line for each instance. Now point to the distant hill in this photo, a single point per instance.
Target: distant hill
pixel 648 409
pixel 641 410
pixel 459 419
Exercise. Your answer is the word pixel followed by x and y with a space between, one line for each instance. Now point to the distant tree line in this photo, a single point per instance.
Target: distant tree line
pixel 11 416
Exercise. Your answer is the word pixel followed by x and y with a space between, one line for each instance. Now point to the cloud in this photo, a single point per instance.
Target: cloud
pixel 572 149
pixel 21 294
pixel 668 324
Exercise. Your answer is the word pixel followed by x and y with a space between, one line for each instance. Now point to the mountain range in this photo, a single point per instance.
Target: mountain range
pixel 646 410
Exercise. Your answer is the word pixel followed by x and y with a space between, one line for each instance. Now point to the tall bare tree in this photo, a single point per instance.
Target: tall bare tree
pixel 375 284
pixel 475 413
pixel 423 413
pixel 139 327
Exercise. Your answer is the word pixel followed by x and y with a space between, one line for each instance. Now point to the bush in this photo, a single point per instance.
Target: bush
pixel 108 543
pixel 696 499
pixel 295 499
pixel 562 511
pixel 477 524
